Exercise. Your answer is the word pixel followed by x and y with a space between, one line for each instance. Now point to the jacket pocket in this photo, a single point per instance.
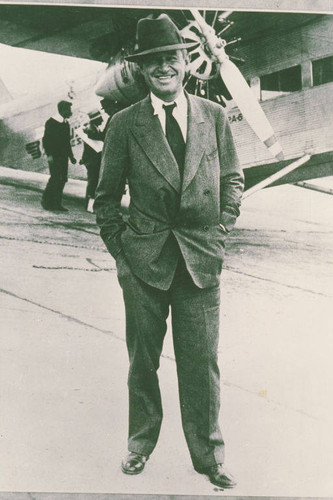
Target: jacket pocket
pixel 141 226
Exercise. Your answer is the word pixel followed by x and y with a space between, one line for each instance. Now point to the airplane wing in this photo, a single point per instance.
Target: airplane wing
pixel 103 33
pixel 98 33
pixel 86 32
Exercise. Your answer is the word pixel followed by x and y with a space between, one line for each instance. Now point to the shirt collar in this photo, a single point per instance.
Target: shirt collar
pixel 58 118
pixel 157 103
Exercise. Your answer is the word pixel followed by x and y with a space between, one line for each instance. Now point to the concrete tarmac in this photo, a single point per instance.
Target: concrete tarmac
pixel 64 361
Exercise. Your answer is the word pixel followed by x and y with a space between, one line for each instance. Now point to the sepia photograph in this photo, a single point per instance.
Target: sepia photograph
pixel 166 177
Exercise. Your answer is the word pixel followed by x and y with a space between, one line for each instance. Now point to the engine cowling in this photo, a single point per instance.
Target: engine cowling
pixel 121 81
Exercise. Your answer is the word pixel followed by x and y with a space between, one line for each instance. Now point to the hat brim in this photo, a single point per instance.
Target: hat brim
pixel 165 48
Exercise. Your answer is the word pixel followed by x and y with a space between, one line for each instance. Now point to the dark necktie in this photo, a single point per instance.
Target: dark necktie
pixel 174 137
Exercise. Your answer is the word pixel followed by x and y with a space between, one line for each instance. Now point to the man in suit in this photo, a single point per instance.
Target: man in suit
pixel 57 146
pixel 110 107
pixel 185 188
pixel 92 158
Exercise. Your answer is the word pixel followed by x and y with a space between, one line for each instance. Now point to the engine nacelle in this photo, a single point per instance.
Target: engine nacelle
pixel 121 81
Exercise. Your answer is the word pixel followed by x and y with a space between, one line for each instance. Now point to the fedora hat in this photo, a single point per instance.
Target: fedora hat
pixel 157 35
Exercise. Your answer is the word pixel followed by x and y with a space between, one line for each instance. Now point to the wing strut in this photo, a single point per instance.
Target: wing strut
pixel 277 175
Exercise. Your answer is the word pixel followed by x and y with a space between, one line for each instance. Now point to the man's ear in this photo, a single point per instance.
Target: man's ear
pixel 187 62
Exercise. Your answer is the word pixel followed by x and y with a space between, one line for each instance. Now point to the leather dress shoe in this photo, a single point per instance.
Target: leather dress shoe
pixel 54 209
pixel 219 476
pixel 133 463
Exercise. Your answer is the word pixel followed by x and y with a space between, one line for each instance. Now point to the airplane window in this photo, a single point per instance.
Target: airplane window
pixel 33 149
pixel 322 71
pixel 280 83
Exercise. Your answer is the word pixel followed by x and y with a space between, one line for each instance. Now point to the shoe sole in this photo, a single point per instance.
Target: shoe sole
pixel 132 473
pixel 228 486
pixel 224 486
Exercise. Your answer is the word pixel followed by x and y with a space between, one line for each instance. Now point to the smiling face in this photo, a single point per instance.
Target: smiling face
pixel 164 73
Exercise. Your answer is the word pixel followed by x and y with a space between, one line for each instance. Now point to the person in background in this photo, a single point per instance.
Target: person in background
pixel 177 153
pixel 91 156
pixel 57 147
pixel 111 108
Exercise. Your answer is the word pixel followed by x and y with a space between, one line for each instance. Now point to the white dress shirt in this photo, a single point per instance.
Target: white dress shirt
pixel 59 118
pixel 179 112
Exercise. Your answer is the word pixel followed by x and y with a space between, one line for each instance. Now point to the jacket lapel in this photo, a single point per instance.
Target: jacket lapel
pixel 148 132
pixel 196 142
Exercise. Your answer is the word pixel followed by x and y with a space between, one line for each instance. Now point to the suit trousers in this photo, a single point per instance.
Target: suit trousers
pixel 93 168
pixel 195 328
pixel 52 194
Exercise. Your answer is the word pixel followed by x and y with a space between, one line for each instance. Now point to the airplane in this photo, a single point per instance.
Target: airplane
pixel 22 123
pixel 286 60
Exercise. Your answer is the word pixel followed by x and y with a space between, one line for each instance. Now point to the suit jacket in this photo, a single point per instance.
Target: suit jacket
pixel 90 157
pixel 56 139
pixel 165 215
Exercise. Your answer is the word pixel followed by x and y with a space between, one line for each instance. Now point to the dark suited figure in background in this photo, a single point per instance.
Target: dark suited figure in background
pixel 57 146
pixel 185 188
pixel 110 107
pixel 92 158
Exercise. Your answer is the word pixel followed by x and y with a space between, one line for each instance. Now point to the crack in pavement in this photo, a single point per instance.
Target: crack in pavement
pixel 95 269
pixel 280 283
pixel 274 402
pixel 68 268
pixel 55 243
pixel 170 358
pixel 63 315
pixel 44 221
pixel 68 317
pixel 88 259
pixel 226 268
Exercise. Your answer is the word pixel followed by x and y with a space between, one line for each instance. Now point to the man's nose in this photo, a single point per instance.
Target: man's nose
pixel 163 63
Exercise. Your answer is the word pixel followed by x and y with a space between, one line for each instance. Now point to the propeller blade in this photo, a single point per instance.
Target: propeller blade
pixel 239 89
pixel 249 107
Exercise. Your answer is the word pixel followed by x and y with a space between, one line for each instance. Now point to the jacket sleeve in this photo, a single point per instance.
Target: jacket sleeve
pixel 231 175
pixel 93 133
pixel 48 138
pixel 70 151
pixel 111 186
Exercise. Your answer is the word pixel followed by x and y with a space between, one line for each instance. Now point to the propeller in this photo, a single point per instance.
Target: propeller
pixel 235 83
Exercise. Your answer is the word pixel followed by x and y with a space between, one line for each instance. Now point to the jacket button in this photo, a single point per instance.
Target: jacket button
pixel 205 228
